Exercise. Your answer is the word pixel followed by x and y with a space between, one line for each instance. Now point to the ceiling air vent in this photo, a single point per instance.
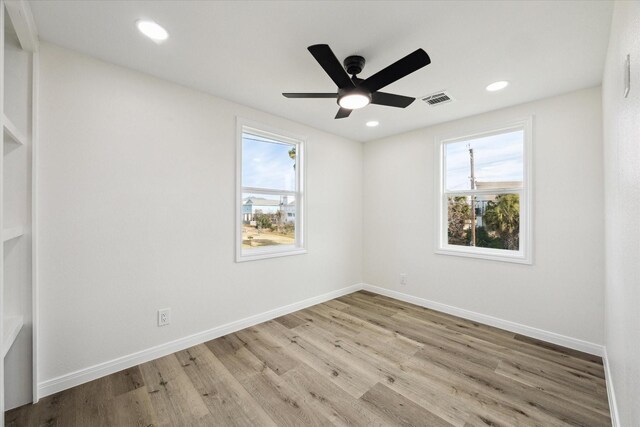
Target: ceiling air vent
pixel 437 98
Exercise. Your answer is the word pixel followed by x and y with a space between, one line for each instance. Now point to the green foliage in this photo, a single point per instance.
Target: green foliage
pixel 289 227
pixel 502 217
pixel 485 240
pixel 459 213
pixel 263 220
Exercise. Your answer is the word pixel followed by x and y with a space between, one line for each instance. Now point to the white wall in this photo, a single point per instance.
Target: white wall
pixel 136 212
pixel 622 197
pixel 562 292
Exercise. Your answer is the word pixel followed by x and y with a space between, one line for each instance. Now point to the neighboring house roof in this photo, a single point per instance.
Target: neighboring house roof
pixel 258 201
pixel 489 185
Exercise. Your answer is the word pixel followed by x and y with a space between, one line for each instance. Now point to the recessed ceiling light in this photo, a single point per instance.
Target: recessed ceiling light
pixel 372 123
pixel 152 30
pixel 497 85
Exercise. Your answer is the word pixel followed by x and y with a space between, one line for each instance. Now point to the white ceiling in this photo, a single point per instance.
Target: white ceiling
pixel 250 52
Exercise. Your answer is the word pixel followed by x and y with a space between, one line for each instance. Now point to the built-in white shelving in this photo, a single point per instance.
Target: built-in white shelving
pixel 12 233
pixel 18 92
pixel 11 132
pixel 10 329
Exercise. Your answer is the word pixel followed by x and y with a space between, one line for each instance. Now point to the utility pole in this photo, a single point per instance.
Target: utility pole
pixel 473 198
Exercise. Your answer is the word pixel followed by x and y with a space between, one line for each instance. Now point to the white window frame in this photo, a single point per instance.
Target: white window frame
pixel 243 125
pixel 525 253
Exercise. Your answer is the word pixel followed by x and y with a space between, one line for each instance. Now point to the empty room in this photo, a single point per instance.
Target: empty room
pixel 301 213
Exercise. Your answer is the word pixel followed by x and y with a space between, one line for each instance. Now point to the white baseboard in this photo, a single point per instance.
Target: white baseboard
pixel 91 373
pixel 613 406
pixel 552 337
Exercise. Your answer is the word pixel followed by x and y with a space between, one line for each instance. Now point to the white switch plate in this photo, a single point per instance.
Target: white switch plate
pixel 164 316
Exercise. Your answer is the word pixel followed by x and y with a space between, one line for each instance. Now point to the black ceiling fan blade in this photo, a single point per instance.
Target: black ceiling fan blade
pixel 343 113
pixel 391 100
pixel 399 69
pixel 328 61
pixel 310 95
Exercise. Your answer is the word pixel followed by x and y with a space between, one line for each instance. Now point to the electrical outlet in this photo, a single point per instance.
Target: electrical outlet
pixel 164 316
pixel 403 279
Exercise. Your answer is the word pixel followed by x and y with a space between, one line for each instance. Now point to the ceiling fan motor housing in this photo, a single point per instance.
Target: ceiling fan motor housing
pixel 354 64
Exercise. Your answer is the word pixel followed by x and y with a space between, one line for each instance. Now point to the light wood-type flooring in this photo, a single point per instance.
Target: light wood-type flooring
pixel 362 359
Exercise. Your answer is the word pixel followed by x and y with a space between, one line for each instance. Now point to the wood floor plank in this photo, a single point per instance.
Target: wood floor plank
pixel 314 315
pixel 452 400
pixel 399 410
pixel 559 349
pixel 349 322
pixel 437 398
pixel 588 398
pixel 444 319
pixel 269 352
pixel 82 405
pixel 172 394
pixel 354 300
pixel 376 366
pixel 327 398
pixel 485 397
pixel 132 408
pixel 347 377
pixel 538 407
pixel 51 411
pixel 500 352
pixel 530 346
pixel 283 404
pixel 289 320
pixel 363 334
pixel 362 359
pixel 335 304
pixel 221 392
pixel 464 349
pixel 417 326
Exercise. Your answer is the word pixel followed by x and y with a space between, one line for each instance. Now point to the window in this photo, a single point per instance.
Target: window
pixel 270 194
pixel 484 197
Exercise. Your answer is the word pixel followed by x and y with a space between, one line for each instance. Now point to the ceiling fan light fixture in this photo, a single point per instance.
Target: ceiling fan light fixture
pixel 353 101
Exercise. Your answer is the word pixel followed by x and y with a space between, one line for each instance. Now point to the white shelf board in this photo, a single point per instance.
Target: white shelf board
pixel 11 328
pixel 12 233
pixel 11 132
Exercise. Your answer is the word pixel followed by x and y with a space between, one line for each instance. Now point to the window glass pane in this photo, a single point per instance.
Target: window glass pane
pixel 268 220
pixel 497 161
pixel 496 221
pixel 267 163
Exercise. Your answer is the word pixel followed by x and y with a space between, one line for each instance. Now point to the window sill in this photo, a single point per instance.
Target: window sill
pixel 491 255
pixel 258 254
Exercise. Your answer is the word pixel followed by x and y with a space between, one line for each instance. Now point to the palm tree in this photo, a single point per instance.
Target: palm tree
pixel 503 217
pixel 292 156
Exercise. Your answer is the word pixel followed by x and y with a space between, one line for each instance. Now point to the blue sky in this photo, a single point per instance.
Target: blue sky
pixel 497 158
pixel 266 164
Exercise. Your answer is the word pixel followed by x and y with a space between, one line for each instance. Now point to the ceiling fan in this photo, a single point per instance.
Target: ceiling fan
pixel 354 92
